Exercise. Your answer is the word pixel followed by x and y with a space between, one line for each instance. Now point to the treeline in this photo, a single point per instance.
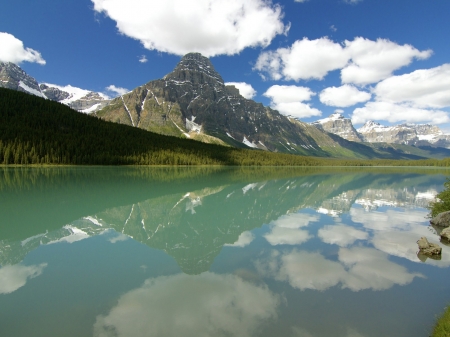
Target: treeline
pixel 38 131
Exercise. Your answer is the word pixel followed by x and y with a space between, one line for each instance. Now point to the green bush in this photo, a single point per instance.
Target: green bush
pixel 442 203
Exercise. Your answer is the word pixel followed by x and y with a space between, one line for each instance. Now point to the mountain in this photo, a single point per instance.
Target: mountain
pixel 421 135
pixel 78 99
pixel 193 101
pixel 339 125
pixel 410 134
pixel 13 77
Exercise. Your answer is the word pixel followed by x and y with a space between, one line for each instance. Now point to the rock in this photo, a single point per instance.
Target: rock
pixel 445 234
pixel 441 220
pixel 427 248
pixel 339 125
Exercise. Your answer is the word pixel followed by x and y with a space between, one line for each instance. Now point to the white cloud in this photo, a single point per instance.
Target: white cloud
pixel 343 96
pixel 425 88
pixel 352 2
pixel 212 27
pixel 163 306
pixel 333 28
pixel 341 235
pixel 372 61
pixel 117 90
pixel 12 50
pixel 288 100
pixel 245 89
pixel 294 220
pixel 143 59
pixel 361 61
pixel 305 59
pixel 395 113
pixel 16 276
pixel 288 93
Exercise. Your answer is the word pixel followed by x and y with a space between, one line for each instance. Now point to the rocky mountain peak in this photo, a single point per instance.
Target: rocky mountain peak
pixel 337 124
pixel 13 77
pixel 195 68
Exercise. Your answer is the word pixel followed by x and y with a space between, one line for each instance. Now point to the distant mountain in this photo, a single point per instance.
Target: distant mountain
pixel 339 125
pixel 373 132
pixel 409 134
pixel 78 99
pixel 13 77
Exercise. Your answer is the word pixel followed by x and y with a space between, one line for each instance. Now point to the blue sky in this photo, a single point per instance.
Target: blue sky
pixel 382 60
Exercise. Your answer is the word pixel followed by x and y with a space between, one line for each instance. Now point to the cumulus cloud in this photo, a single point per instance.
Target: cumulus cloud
pixel 163 306
pixel 343 96
pixel 424 88
pixel 13 50
pixel 117 90
pixel 288 100
pixel 361 61
pixel 211 27
pixel 372 61
pixel 245 89
pixel 395 113
pixel 16 276
pixel 286 229
pixel 305 59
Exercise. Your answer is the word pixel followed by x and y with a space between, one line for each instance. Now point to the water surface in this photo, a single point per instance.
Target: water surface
pixel 103 251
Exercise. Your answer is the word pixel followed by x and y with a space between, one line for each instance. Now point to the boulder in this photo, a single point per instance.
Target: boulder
pixel 445 234
pixel 441 220
pixel 428 248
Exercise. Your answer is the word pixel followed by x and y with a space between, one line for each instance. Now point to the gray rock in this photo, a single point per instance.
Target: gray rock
pixel 445 234
pixel 441 220
pixel 427 248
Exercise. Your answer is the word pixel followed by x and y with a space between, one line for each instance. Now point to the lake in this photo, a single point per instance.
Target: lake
pixel 131 252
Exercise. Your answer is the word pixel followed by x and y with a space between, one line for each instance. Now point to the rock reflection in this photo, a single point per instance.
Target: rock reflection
pixel 204 305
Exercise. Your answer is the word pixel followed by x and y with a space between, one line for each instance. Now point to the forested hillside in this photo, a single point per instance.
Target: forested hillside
pixel 38 131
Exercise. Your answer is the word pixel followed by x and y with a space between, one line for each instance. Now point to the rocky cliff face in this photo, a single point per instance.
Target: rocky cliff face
pixel 339 125
pixel 13 77
pixel 193 100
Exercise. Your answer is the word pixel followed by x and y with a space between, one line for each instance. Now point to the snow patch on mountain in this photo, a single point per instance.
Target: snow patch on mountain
pixel 31 90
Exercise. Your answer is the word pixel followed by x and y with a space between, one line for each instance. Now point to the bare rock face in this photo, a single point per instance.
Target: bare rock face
pixel 441 220
pixel 13 77
pixel 427 248
pixel 339 125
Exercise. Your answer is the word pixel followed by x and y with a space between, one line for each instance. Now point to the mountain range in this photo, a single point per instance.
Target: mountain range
pixel 193 102
pixel 373 132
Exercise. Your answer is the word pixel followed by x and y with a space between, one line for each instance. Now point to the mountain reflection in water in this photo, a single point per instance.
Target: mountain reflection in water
pixel 310 229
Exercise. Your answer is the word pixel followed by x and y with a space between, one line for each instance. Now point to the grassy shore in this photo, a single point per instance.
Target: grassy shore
pixel 442 327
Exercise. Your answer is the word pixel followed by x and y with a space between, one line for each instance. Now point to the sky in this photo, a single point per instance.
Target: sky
pixel 381 60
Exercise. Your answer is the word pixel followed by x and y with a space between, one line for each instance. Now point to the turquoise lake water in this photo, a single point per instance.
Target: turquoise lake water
pixel 133 252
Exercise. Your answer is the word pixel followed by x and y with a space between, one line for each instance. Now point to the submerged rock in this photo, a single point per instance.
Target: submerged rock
pixel 427 248
pixel 441 220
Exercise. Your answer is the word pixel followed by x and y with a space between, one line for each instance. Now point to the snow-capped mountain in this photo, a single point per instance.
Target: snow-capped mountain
pixel 409 134
pixel 339 125
pixel 13 77
pixel 373 132
pixel 78 99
